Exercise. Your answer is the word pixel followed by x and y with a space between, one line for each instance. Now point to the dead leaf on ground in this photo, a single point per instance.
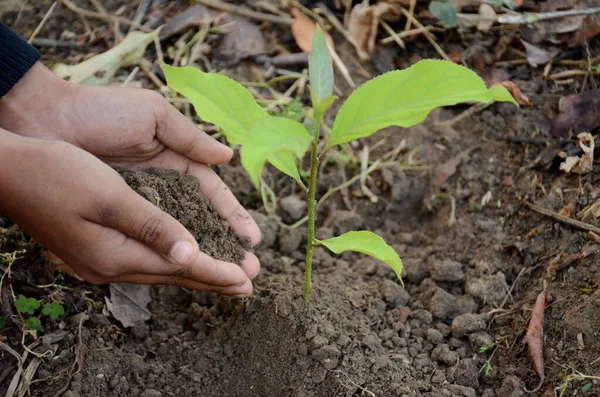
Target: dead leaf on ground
pixel 128 303
pixel 303 30
pixel 545 39
pixel 537 55
pixel 363 25
pixel 515 92
pixel 243 40
pixel 585 163
pixel 577 113
pixel 190 18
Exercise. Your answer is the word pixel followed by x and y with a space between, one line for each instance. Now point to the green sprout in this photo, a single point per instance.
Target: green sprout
pixel 30 306
pixel 27 305
pixel 54 310
pixel 402 98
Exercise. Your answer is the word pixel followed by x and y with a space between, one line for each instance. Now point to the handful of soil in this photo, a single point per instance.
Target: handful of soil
pixel 179 195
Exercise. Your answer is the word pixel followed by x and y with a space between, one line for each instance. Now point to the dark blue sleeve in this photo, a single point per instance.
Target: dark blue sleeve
pixel 16 58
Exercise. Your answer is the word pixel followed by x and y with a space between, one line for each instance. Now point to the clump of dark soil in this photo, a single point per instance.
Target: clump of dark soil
pixel 180 196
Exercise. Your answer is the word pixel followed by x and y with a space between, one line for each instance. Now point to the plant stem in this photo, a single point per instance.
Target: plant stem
pixel 311 204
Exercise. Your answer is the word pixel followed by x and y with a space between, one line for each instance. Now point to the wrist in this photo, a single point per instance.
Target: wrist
pixel 30 106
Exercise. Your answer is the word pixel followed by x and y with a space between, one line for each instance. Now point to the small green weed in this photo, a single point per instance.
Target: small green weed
pixel 29 306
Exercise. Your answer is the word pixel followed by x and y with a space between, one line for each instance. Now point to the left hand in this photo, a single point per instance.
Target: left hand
pixel 126 127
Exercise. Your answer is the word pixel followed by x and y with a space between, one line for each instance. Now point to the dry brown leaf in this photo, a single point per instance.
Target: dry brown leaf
pixel 515 92
pixel 303 30
pixel 577 113
pixel 585 163
pixel 364 24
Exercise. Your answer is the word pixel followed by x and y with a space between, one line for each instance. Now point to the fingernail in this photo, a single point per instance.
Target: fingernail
pixel 181 252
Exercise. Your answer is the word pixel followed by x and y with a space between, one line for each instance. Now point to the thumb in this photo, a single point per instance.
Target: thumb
pixel 148 224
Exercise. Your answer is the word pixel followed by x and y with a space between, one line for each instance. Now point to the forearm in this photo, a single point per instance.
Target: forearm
pixel 27 88
pixel 39 92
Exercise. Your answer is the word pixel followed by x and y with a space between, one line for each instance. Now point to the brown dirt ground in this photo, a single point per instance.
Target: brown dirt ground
pixel 467 285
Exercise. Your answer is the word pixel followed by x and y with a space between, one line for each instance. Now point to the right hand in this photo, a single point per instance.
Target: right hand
pixel 84 212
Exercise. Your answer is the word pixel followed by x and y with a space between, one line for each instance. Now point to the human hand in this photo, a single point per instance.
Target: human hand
pixel 127 127
pixel 85 213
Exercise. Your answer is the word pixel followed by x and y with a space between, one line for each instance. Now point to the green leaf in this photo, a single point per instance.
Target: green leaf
pixel 405 97
pixel 218 100
pixel 269 136
pixel 322 106
pixel 367 243
pixel 444 10
pixel 33 323
pixel 54 310
pixel 27 305
pixel 2 322
pixel 320 68
pixel 286 163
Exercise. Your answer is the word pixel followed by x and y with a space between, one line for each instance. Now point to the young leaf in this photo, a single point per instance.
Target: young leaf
pixel 27 305
pixel 322 106
pixel 269 136
pixel 54 310
pixel 286 163
pixel 33 323
pixel 320 68
pixel 218 100
pixel 367 243
pixel 405 97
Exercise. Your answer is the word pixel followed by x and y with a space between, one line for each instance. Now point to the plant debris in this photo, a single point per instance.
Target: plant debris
pixel 581 164
pixel 128 303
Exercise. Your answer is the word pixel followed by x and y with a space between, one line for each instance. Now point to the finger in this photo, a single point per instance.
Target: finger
pixel 136 217
pixel 251 265
pixel 240 291
pixel 225 203
pixel 178 133
pixel 124 256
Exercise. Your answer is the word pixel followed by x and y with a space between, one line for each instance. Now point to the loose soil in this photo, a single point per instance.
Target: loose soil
pixel 180 196
pixel 475 259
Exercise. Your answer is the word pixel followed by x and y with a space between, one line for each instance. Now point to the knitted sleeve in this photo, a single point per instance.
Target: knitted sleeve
pixel 16 58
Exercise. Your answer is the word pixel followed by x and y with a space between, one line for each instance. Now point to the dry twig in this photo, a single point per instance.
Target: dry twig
pixel 244 12
pixel 428 35
pixel 105 17
pixel 560 218
pixel 43 22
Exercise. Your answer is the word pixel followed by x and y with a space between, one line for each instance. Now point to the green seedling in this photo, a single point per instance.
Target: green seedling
pixel 402 98
pixel 30 306
pixel 27 305
pixel 54 310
